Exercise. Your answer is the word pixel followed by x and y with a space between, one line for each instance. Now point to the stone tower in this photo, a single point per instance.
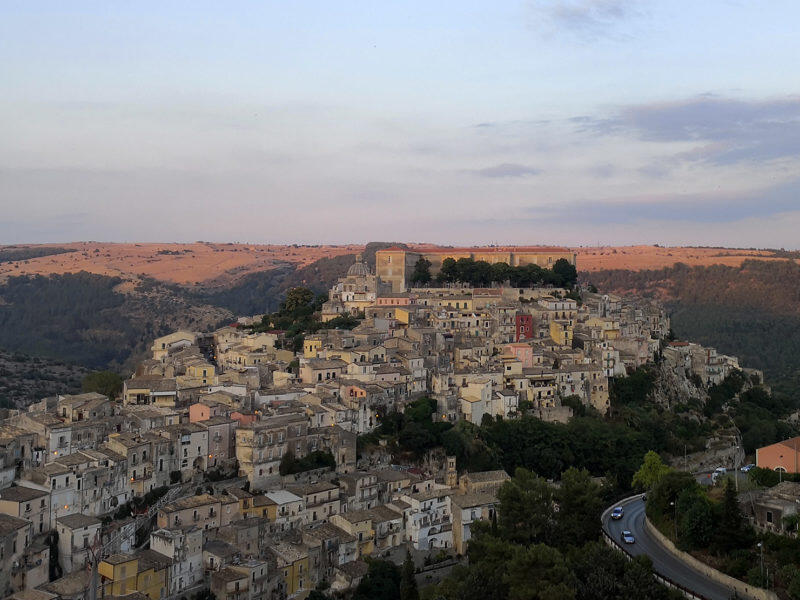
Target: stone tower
pixel 451 477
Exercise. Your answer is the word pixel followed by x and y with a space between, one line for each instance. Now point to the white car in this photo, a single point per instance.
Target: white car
pixel 720 470
pixel 627 537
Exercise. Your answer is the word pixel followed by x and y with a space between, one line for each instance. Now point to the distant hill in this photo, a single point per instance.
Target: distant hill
pixel 261 292
pixel 751 311
pixel 102 321
pixel 204 264
pixel 94 320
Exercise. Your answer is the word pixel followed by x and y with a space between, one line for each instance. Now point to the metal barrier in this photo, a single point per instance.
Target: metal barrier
pixel 658 576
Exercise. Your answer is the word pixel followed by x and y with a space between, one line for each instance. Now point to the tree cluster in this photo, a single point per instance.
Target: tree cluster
pixel 107 383
pixel 544 546
pixel 298 316
pixel 678 505
pixel 550 448
pixel 479 273
pixel 313 460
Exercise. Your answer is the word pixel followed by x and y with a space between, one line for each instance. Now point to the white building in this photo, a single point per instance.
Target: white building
pixel 185 549
pixel 427 519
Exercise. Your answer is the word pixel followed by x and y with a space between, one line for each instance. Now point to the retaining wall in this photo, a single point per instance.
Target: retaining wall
pixel 741 587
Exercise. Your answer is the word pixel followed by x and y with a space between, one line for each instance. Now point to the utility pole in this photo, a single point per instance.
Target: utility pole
pixel 761 547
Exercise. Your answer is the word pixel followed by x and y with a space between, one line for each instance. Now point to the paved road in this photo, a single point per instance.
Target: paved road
pixel 664 563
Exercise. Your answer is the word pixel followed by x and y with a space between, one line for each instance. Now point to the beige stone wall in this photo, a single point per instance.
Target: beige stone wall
pixel 748 591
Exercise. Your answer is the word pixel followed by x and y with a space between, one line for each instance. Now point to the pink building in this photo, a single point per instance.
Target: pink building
pixel 523 352
pixel 244 418
pixel 203 411
pixel 781 456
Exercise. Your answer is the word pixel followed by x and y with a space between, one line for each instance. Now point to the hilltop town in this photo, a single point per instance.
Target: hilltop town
pixel 273 456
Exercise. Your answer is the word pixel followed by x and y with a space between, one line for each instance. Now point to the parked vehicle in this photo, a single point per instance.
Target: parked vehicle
pixel 720 470
pixel 627 537
pixel 617 513
pixel 746 468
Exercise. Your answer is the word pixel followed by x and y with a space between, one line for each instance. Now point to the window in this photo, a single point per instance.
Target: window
pixel 769 516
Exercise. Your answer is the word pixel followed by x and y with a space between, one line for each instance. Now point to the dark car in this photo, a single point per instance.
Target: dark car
pixel 617 513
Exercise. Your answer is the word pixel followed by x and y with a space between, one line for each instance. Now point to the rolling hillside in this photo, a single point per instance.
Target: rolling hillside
pixel 98 305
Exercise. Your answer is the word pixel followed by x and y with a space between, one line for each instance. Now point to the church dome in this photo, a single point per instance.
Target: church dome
pixel 358 268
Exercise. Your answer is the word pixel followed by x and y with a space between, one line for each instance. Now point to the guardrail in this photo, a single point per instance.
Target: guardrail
pixel 658 576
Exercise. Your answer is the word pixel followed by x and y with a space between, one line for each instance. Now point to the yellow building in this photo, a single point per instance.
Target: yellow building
pixel 144 572
pixel 179 339
pixel 403 315
pixel 358 523
pixel 561 333
pixel 609 327
pixel 198 373
pixel 292 562
pixel 311 346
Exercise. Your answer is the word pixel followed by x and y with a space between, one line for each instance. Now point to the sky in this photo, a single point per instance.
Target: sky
pixel 575 122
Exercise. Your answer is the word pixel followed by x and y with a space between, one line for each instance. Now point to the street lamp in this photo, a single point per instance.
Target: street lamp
pixel 675 519
pixel 761 547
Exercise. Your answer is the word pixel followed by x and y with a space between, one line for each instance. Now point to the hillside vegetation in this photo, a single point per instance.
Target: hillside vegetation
pixel 25 379
pixel 86 319
pixel 15 253
pixel 108 322
pixel 751 311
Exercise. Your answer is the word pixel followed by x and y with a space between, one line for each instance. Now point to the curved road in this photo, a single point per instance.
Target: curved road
pixel 664 563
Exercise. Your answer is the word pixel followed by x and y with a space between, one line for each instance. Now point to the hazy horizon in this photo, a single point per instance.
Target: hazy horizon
pixel 536 122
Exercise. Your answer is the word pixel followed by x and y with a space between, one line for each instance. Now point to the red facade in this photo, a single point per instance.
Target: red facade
pixel 523 327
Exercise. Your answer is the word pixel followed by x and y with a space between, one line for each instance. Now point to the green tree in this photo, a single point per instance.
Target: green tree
pixel 733 531
pixel 576 404
pixel 382 582
pixel 422 272
pixel 526 508
pixel 651 472
pixel 663 495
pixel 408 583
pixel 566 272
pixel 297 298
pixel 580 504
pixel 448 273
pixel 416 438
pixel 794 587
pixel 501 272
pixel 287 465
pixel 539 573
pixel 107 383
pixel 695 519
